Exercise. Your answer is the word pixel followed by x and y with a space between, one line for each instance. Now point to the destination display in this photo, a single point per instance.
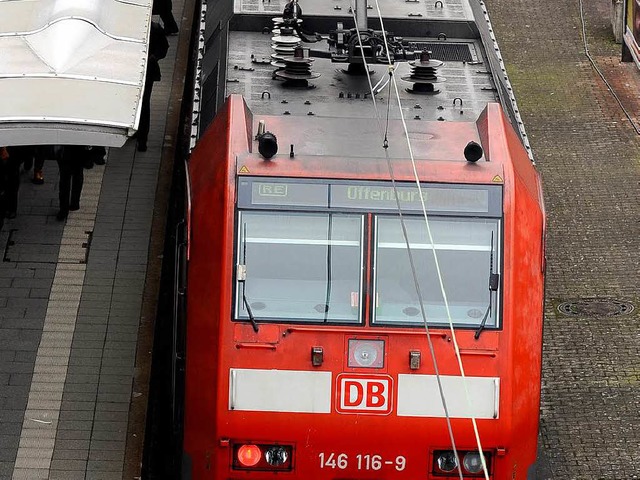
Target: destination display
pixel 376 196
pixel 436 199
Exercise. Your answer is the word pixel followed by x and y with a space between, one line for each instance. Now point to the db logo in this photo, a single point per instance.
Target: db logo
pixel 371 394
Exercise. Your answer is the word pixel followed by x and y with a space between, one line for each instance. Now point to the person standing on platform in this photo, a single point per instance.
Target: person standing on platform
pixel 98 155
pixel 164 9
pixel 70 160
pixel 40 155
pixel 153 75
pixel 36 160
pixel 158 48
pixel 4 159
pixel 158 43
pixel 95 156
pixel 11 176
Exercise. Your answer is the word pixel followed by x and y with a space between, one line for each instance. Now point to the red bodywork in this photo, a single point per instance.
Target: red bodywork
pixel 215 343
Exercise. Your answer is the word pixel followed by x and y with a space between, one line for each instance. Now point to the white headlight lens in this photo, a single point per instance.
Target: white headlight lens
pixel 276 456
pixel 472 462
pixel 447 462
pixel 366 353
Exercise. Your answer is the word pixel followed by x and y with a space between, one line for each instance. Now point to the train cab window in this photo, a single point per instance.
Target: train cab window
pixel 468 254
pixel 299 267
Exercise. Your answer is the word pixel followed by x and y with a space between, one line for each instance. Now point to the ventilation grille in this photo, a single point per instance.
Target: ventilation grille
pixel 447 52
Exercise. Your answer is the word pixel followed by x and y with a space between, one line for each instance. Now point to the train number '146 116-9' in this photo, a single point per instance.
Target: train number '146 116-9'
pixel 342 461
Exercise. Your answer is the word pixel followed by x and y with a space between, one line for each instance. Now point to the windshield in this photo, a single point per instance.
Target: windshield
pixel 464 249
pixel 300 266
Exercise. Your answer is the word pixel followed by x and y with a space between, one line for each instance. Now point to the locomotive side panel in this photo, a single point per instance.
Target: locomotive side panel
pixel 212 185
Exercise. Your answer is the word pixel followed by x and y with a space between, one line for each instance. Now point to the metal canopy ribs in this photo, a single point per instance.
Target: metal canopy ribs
pixel 72 72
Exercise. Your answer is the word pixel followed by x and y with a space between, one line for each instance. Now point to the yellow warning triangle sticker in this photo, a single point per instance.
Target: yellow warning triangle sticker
pixel 497 179
pixel 243 169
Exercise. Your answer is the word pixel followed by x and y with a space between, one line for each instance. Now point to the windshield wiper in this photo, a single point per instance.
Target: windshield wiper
pixel 249 312
pixel 241 275
pixel 494 282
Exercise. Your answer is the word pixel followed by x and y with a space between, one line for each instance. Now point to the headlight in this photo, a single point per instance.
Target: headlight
pixel 447 462
pixel 276 456
pixel 468 462
pixel 366 353
pixel 472 462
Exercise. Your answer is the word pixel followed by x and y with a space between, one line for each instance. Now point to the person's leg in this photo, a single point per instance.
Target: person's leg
pixel 77 179
pixel 168 21
pixel 40 156
pixel 3 189
pixel 13 183
pixel 145 117
pixel 98 155
pixel 65 188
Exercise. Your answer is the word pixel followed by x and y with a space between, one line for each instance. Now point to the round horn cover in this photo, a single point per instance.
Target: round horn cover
pixel 268 145
pixel 473 152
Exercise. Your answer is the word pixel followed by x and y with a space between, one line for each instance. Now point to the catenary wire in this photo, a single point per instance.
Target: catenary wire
pixel 435 256
pixel 383 131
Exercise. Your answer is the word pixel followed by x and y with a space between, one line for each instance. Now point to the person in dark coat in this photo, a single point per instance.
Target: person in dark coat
pixel 36 160
pixel 164 9
pixel 158 43
pixel 11 176
pixel 153 75
pixel 41 152
pixel 158 48
pixel 70 160
pixel 4 159
pixel 95 156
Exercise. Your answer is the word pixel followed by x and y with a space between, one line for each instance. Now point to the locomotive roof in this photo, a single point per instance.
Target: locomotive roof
pixel 336 104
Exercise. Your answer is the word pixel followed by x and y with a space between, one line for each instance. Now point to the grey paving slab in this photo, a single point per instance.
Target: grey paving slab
pixel 66 475
pixel 10 428
pixel 111 456
pixel 34 323
pixel 76 454
pixel 109 435
pixel 103 475
pixel 73 439
pixel 70 465
pixel 103 406
pixel 91 327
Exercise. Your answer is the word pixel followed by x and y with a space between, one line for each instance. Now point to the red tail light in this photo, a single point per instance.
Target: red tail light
pixel 249 455
pixel 262 457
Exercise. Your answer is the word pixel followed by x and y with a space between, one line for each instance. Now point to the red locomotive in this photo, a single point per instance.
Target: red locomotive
pixel 320 294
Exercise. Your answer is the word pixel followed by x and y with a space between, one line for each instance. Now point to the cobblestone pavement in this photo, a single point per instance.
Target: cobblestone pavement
pixel 588 154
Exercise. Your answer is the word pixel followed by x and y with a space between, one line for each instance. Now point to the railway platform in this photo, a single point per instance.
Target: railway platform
pixel 77 304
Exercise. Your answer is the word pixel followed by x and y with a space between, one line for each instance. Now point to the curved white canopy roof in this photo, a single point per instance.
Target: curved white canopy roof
pixel 72 72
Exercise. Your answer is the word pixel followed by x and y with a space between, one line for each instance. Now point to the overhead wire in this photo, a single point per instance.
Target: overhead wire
pixel 435 256
pixel 391 71
pixel 384 132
